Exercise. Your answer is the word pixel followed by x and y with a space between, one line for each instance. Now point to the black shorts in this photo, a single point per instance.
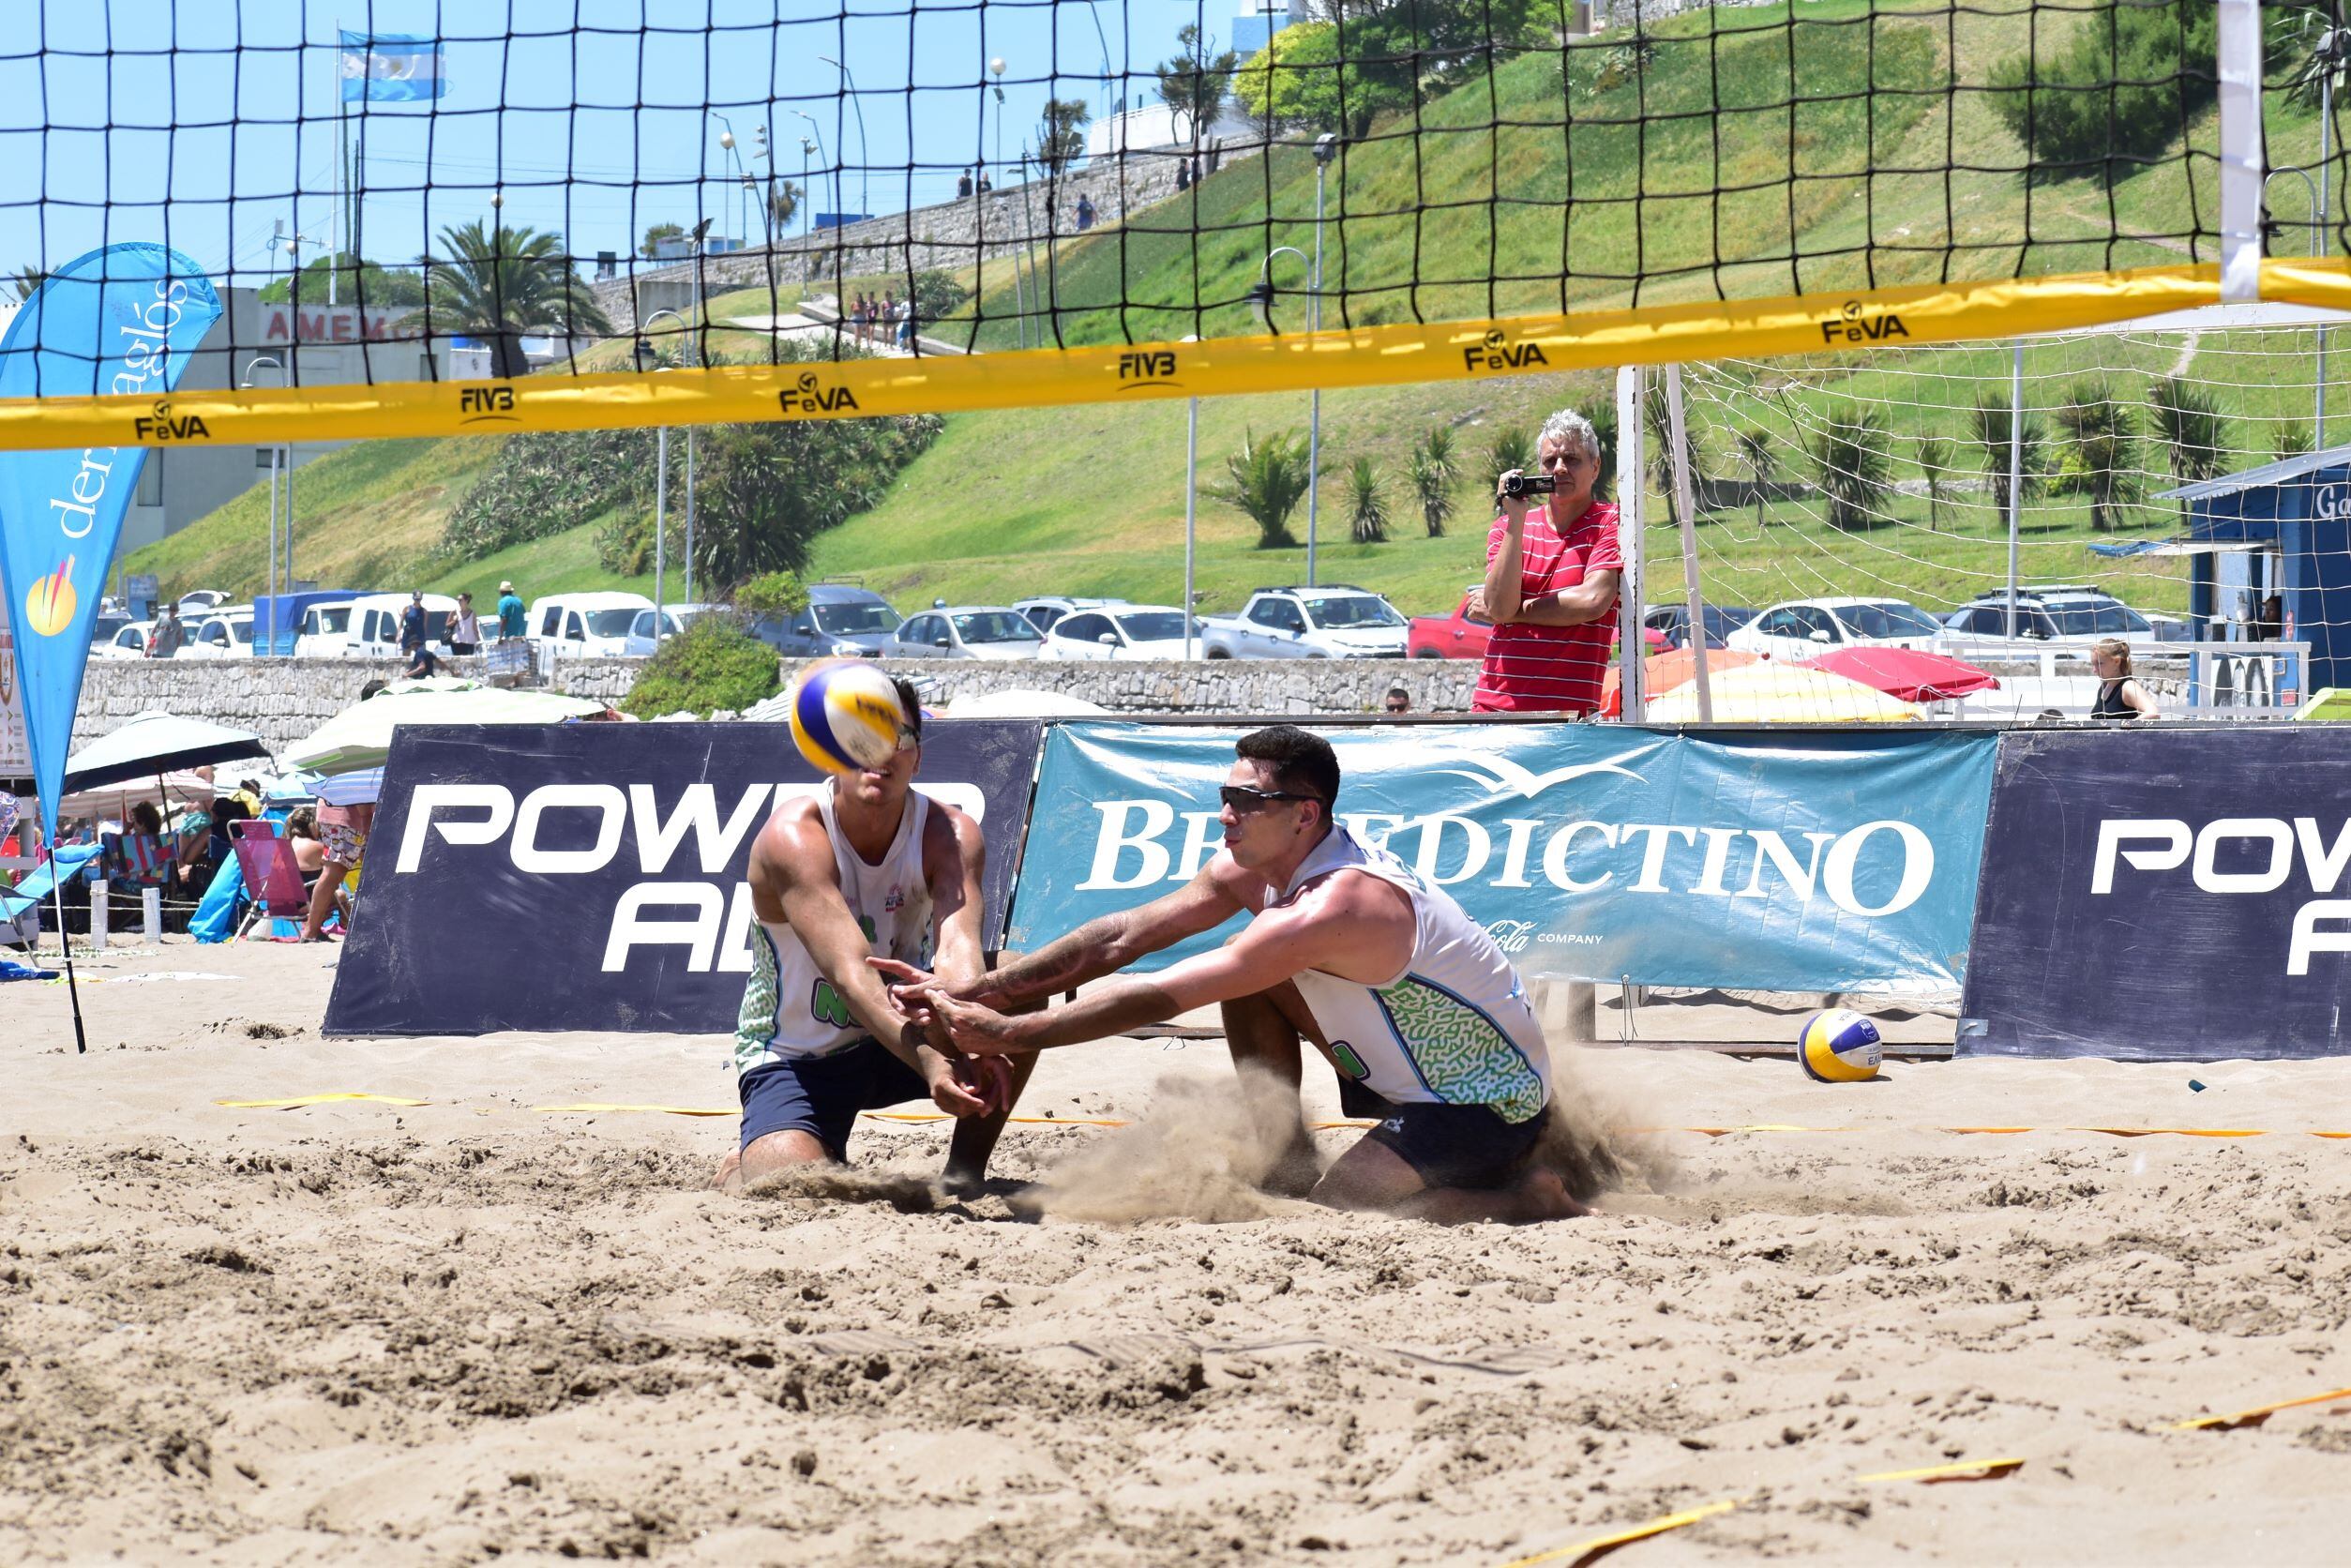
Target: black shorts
pixel 1460 1146
pixel 820 1095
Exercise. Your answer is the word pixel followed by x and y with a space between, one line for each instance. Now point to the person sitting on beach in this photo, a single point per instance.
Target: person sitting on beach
pixel 1410 1001
pixel 867 867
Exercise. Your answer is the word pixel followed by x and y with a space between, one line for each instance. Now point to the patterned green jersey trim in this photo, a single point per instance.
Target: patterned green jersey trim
pixel 755 1025
pixel 1462 1055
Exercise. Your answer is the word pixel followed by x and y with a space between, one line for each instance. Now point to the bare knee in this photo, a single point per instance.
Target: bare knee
pixel 781 1151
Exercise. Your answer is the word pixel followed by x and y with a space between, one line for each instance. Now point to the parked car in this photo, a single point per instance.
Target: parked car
pixel 1043 612
pixel 104 626
pixel 2070 613
pixel 640 642
pixel 1801 628
pixel 1459 635
pixel 129 641
pixel 1122 631
pixel 1336 622
pixel 994 631
pixel 585 625
pixel 323 631
pixel 278 621
pixel 226 633
pixel 841 621
pixel 373 629
pixel 198 602
pixel 1672 621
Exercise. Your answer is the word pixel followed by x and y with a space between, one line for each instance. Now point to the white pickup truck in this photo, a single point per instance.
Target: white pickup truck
pixel 1334 622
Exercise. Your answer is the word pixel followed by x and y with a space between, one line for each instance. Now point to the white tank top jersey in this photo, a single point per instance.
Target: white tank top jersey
pixel 788 1008
pixel 1454 1027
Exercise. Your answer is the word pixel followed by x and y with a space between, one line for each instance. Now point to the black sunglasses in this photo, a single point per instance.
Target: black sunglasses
pixel 1244 799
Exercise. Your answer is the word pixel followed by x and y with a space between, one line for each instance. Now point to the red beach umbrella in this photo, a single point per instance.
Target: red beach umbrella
pixel 1905 674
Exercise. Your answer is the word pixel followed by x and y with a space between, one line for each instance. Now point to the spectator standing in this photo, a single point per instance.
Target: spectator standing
pixel 465 631
pixel 1184 173
pixel 1085 212
pixel 1399 701
pixel 169 634
pixel 963 185
pixel 346 831
pixel 413 624
pixel 1551 576
pixel 986 184
pixel 511 621
pixel 2119 693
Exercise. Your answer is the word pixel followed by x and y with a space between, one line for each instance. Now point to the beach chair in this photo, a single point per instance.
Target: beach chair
pixel 271 874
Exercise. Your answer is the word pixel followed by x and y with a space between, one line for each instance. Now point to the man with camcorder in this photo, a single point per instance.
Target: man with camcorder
pixel 1551 577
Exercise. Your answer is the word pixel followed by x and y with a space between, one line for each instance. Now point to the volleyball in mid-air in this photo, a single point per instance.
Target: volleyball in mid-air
pixel 1839 1047
pixel 846 715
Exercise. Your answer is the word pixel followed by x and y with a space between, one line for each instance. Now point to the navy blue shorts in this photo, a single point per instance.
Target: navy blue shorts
pixel 820 1095
pixel 1460 1146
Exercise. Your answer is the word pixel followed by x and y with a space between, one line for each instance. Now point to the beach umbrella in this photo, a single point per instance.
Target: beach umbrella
pixel 1661 673
pixel 1907 674
pixel 360 737
pixel 149 743
pixel 1775 693
pixel 115 801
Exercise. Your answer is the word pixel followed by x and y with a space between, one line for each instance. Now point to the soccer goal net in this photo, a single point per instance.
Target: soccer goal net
pixel 577 217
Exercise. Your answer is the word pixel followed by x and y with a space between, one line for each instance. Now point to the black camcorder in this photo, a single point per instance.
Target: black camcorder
pixel 1516 485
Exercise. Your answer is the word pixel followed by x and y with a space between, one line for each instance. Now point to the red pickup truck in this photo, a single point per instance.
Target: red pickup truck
pixel 1462 635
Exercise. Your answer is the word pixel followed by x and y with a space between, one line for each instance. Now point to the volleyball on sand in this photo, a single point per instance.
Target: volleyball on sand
pixel 846 715
pixel 1839 1045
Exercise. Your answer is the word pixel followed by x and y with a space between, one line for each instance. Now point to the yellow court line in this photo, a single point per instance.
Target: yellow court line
pixel 2175 1132
pixel 1966 1470
pixel 656 1111
pixel 1401 354
pixel 1585 1552
pixel 2256 1416
pixel 299 1100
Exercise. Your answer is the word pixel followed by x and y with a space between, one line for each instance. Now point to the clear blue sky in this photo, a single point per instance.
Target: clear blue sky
pixel 203 122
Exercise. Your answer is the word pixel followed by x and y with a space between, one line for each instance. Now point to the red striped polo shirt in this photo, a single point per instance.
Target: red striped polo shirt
pixel 1531 669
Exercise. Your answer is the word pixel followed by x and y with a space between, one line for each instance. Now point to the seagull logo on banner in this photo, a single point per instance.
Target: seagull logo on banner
pixel 1500 776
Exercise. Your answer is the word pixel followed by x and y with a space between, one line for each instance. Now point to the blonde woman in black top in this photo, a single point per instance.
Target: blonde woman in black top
pixel 2120 694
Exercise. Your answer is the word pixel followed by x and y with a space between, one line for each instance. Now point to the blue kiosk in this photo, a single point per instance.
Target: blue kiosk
pixel 2270 560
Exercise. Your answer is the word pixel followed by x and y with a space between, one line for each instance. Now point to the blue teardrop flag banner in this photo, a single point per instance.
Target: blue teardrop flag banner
pixel 122 320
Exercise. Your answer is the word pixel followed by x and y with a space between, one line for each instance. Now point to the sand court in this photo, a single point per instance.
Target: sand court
pixel 366 1330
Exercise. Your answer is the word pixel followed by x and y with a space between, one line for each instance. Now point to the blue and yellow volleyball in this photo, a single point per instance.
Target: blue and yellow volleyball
pixel 1839 1045
pixel 846 715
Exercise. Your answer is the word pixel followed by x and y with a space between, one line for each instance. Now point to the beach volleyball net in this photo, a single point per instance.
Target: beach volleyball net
pixel 551 220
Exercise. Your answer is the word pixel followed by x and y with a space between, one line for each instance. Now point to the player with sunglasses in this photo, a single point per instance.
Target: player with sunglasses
pixel 1411 1003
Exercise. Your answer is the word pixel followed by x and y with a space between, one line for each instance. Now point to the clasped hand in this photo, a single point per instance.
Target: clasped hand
pixel 973 1078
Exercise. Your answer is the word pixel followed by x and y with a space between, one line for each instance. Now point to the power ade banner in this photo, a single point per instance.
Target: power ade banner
pixel 122 320
pixel 591 876
pixel 2166 894
pixel 1809 861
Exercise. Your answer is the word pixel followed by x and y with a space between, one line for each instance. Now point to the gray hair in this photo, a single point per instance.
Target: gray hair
pixel 1571 430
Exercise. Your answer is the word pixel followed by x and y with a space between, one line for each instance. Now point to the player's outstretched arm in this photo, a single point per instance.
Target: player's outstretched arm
pixel 1108 944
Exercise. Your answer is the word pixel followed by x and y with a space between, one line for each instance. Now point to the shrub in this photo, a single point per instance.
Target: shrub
pixel 1511 448
pixel 936 296
pixel 712 664
pixel 2120 90
pixel 1269 478
pixel 1434 472
pixel 1854 467
pixel 1367 502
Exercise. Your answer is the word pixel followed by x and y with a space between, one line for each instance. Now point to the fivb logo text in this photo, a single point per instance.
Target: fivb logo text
pixel 1876 868
pixel 2259 856
pixel 685 853
pixel 1147 366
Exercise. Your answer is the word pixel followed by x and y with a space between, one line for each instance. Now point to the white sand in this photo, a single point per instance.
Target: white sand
pixel 362 1332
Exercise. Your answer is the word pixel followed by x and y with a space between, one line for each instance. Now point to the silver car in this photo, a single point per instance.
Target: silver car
pixel 994 631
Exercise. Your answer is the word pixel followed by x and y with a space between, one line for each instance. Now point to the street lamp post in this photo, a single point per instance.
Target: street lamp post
pixel 726 143
pixel 818 132
pixel 1019 309
pixel 1191 501
pixel 1262 297
pixel 863 156
pixel 1326 148
pixel 646 352
pixel 270 629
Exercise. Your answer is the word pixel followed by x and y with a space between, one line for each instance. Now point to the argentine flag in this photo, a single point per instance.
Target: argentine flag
pixel 391 67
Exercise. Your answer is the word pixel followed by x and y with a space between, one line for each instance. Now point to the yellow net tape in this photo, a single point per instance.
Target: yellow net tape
pixel 1966 1470
pixel 1120 373
pixel 297 1101
pixel 1599 1545
pixel 2258 1414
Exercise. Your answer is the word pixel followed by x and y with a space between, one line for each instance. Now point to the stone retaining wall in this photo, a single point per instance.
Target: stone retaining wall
pixel 284 699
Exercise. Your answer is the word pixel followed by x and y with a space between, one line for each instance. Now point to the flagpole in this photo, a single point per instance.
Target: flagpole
pixel 335 216
pixel 65 945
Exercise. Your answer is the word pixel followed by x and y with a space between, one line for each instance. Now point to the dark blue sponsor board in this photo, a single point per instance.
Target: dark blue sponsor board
pixel 591 876
pixel 2165 895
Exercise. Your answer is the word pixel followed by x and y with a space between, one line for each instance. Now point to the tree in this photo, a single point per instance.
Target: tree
pixel 1657 416
pixel 1367 502
pixel 1855 469
pixel 2101 442
pixel 1297 79
pixel 1434 472
pixel 1934 463
pixel 1601 415
pixel 783 205
pixel 356 281
pixel 1399 52
pixel 500 284
pixel 28 281
pixel 1195 83
pixel 1512 447
pixel 1992 428
pixel 2309 45
pixel 1062 134
pixel 2190 425
pixel 657 235
pixel 1269 478
pixel 2123 87
pixel 1761 459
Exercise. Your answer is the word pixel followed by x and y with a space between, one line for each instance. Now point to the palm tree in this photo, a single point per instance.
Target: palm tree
pixel 1993 427
pixel 28 281
pixel 1855 469
pixel 2103 441
pixel 1601 415
pixel 2190 425
pixel 1432 474
pixel 1269 479
pixel 1762 461
pixel 2293 440
pixel 1512 448
pixel 1934 463
pixel 502 283
pixel 783 202
pixel 1367 502
pixel 2307 42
